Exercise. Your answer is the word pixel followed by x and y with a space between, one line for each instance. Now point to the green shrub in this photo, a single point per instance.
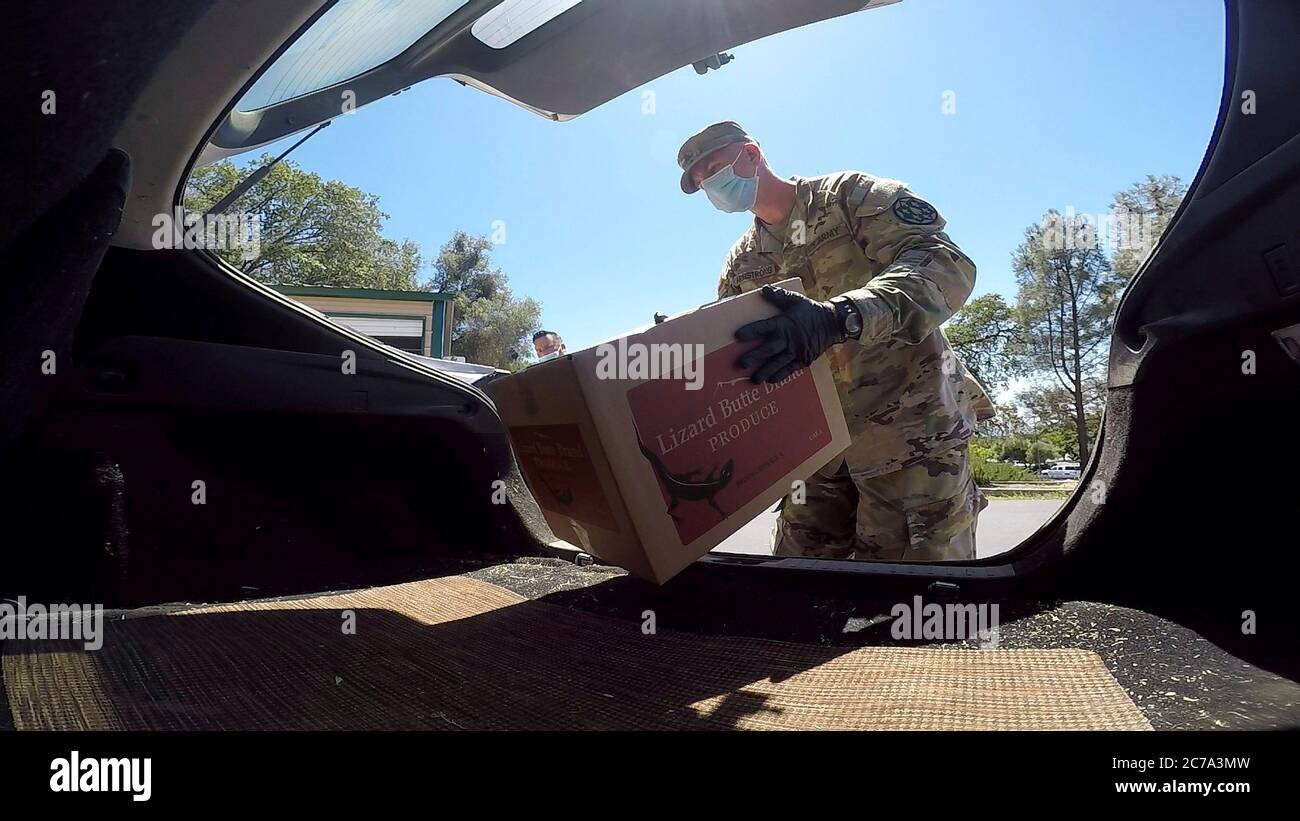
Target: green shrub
pixel 984 448
pixel 1040 452
pixel 1014 449
pixel 986 472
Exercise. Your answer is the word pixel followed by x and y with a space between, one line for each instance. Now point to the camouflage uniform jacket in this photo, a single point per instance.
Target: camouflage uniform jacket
pixel 906 395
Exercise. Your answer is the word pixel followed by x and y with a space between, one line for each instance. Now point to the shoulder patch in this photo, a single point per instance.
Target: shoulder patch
pixel 872 195
pixel 913 211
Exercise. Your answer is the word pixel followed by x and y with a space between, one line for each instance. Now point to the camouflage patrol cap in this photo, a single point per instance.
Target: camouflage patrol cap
pixel 706 141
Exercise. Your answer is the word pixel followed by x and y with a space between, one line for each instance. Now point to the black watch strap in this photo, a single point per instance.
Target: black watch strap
pixel 850 319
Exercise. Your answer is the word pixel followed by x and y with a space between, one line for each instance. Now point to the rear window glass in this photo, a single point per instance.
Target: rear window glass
pixel 514 19
pixel 348 40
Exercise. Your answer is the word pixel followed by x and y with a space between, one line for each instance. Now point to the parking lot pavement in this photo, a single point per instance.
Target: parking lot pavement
pixel 1004 524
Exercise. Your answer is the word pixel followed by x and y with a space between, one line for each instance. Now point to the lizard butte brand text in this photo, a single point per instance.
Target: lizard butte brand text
pixel 77 774
pixel 738 416
pixel 657 360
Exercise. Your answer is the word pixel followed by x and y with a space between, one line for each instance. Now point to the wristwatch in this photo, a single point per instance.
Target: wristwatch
pixel 850 320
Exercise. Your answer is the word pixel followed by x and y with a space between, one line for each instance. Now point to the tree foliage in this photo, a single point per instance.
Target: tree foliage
pixel 490 326
pixel 1039 452
pixel 313 231
pixel 1014 449
pixel 1052 412
pixel 986 334
pixel 1148 205
pixel 324 232
pixel 1071 272
pixel 1008 421
pixel 1068 293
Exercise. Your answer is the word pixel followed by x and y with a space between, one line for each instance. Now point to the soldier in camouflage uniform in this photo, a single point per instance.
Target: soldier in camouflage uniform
pixel 880 276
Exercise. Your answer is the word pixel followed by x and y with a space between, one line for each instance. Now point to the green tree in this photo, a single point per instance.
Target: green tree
pixel 984 449
pixel 1015 449
pixel 1143 211
pixel 1009 421
pixel 491 327
pixel 986 334
pixel 324 232
pixel 313 231
pixel 1066 303
pixel 1052 413
pixel 1040 452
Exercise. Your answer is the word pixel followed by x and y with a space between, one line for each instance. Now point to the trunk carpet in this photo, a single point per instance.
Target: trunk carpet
pixel 460 653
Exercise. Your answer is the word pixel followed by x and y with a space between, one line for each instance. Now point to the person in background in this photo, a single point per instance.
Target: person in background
pixel 548 345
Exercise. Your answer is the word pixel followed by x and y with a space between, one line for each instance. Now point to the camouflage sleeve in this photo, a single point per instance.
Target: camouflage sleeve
pixel 919 277
pixel 726 283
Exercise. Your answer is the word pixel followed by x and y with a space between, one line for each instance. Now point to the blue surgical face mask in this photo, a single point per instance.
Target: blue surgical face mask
pixel 729 192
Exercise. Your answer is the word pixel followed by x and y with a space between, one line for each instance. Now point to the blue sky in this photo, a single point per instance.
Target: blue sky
pixel 1058 104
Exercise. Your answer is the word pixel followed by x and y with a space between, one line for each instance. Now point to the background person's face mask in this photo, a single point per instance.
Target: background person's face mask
pixel 729 192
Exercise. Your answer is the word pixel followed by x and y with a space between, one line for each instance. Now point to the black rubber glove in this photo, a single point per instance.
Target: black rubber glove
pixel 803 330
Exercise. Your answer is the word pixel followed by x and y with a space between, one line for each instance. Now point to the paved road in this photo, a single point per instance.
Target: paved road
pixel 1004 524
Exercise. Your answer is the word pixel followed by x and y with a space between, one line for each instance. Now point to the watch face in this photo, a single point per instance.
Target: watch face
pixel 850 320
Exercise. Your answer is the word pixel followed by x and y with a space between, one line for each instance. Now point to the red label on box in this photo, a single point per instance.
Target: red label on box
pixel 717 448
pixel 559 471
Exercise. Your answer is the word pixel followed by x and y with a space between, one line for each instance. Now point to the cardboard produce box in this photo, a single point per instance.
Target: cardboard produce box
pixel 650 450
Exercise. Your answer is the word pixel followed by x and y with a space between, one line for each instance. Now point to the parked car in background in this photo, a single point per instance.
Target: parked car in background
pixel 1062 470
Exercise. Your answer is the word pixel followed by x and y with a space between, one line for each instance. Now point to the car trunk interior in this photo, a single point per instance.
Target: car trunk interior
pixel 172 380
